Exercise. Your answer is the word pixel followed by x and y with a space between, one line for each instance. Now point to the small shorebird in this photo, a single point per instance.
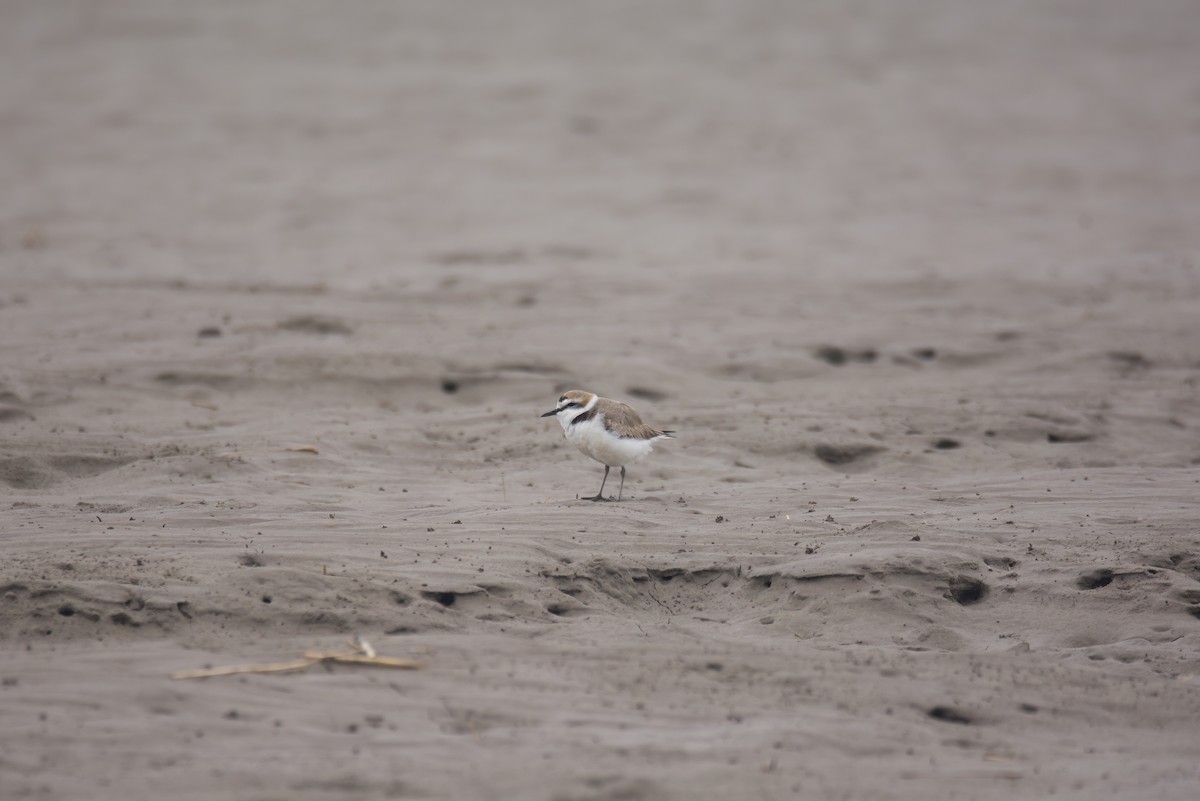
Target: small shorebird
pixel 609 431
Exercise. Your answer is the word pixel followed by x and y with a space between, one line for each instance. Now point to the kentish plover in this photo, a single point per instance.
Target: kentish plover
pixel 609 431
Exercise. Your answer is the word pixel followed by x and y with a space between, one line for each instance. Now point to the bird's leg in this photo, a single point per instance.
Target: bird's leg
pixel 600 494
pixel 622 487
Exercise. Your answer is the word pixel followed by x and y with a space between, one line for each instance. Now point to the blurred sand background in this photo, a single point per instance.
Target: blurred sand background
pixel 917 283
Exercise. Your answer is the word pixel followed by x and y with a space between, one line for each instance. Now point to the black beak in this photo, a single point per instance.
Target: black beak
pixel 550 413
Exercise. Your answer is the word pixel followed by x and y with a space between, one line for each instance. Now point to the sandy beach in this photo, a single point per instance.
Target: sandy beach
pixel 285 286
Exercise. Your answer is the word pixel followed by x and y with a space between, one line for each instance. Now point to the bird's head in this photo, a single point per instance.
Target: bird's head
pixel 570 401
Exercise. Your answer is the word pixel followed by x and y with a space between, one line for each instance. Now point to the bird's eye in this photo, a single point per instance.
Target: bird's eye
pixel 563 398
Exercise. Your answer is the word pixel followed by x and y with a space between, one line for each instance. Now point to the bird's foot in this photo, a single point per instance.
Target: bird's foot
pixel 598 498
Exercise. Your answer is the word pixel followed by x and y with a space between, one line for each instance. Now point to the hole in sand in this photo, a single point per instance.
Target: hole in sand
pixel 1130 360
pixel 831 354
pixel 1095 579
pixel 1068 436
pixel 443 598
pixel 967 591
pixel 66 610
pixel 844 454
pixel 665 575
pixel 645 393
pixel 315 324
pixel 837 356
pixel 950 715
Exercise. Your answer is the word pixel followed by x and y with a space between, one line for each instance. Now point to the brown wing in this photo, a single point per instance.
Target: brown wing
pixel 624 421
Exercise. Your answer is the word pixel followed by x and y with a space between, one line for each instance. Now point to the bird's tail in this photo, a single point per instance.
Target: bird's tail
pixel 667 434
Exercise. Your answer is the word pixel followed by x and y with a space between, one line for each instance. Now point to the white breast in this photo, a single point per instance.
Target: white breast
pixel 596 441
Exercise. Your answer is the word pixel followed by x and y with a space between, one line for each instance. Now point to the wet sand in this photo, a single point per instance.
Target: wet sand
pixel 283 291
